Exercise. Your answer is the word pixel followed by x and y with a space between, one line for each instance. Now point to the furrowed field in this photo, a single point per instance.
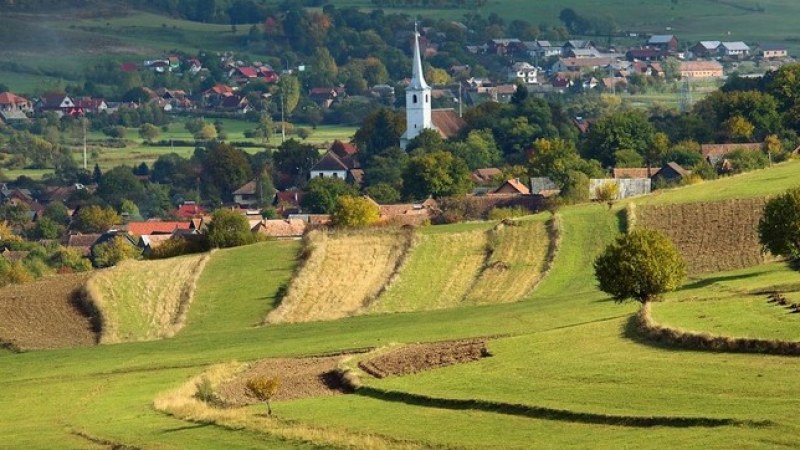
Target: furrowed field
pixel 565 366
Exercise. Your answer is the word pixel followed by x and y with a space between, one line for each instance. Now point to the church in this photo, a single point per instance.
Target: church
pixel 419 115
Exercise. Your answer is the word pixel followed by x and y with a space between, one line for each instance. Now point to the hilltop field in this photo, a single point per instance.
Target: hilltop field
pixel 520 348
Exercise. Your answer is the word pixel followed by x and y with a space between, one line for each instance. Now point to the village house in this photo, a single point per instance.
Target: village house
pixel 542 49
pixel 664 42
pixel 487 176
pixel 512 187
pixel 700 69
pixel 11 102
pixel 61 104
pixel 714 153
pixel 334 166
pixel 280 228
pixel 505 46
pixel 523 72
pixel 580 64
pixel 772 51
pixel 645 54
pixel 734 49
pixel 325 96
pixel 91 105
pixel 705 49
pixel 670 173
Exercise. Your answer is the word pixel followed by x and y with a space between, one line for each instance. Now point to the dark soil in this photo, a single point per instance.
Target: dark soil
pixel 420 357
pixel 45 314
pixel 299 378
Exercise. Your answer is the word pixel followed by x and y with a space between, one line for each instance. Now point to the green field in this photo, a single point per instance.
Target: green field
pixel 566 369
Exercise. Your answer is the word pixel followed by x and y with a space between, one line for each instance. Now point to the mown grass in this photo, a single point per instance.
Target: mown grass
pixel 438 273
pixel 341 274
pixel 515 263
pixel 144 300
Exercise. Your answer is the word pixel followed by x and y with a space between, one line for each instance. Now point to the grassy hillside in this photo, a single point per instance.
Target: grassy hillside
pixel 568 361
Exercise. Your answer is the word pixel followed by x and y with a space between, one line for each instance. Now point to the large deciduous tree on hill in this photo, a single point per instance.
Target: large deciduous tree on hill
pixel 226 167
pixel 322 194
pixel 616 131
pixel 380 130
pixel 640 265
pixel 779 227
pixel 229 229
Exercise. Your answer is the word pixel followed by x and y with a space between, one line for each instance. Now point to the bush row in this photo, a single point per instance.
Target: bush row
pixel 647 327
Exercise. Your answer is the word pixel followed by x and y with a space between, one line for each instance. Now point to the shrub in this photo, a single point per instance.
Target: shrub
pixel 607 193
pixel 177 247
pixel 355 212
pixel 111 252
pixel 229 229
pixel 502 213
pixel 205 391
pixel 640 265
pixel 779 227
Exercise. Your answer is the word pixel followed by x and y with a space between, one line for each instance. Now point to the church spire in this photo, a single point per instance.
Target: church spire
pixel 417 78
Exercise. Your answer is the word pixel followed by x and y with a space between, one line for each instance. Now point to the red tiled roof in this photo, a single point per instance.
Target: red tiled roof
pixel 289 197
pixel 249 72
pixel 343 149
pixel 156 227
pixel 190 210
pixel 7 98
pixel 282 228
pixel 514 185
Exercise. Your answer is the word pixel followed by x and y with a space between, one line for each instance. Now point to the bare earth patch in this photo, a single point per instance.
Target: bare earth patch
pixel 45 314
pixel 420 357
pixel 299 378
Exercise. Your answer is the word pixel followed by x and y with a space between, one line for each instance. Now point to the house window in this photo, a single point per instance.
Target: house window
pixel 335 175
pixel 414 98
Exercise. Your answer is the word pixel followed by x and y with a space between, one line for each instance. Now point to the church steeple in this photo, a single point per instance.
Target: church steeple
pixel 417 77
pixel 418 99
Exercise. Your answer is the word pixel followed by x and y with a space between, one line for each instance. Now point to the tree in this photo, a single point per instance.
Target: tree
pixel 264 389
pixel 380 130
pixel 556 159
pixel 149 132
pixel 779 227
pixel 295 159
pixel 265 127
pixel 355 212
pixel 640 265
pixel 741 160
pixel 383 193
pixel 226 168
pixel 479 150
pixel 290 93
pixel 119 184
pixel 322 194
pixel 619 130
pixel 229 229
pixel 96 219
pixel 437 174
pixel 111 252
pixel 207 133
pixel 607 193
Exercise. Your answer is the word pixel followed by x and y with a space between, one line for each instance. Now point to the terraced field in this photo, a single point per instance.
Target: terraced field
pixel 439 272
pixel 145 300
pixel 518 258
pixel 341 275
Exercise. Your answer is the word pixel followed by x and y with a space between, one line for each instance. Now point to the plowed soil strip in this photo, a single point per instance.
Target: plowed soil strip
pixel 420 357
pixel 299 378
pixel 44 314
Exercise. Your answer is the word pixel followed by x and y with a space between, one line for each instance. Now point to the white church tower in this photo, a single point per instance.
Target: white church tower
pixel 418 100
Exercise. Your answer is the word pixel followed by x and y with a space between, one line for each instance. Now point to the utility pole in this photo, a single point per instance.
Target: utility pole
pixel 83 121
pixel 283 123
pixel 460 99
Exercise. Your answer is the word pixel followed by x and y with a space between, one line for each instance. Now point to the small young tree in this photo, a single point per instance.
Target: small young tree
pixel 607 193
pixel 640 265
pixel 779 227
pixel 264 389
pixel 149 132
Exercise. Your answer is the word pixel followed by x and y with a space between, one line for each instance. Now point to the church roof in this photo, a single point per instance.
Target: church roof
pixel 417 79
pixel 447 122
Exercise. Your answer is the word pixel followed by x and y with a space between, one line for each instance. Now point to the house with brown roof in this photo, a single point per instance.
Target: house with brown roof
pixel 487 176
pixel 288 202
pixel 512 187
pixel 281 228
pixel 714 153
pixel 634 172
pixel 323 96
pixel 13 256
pixel 447 122
pixel 671 172
pixel 700 69
pixel 334 166
pixel 343 149
pixel 81 242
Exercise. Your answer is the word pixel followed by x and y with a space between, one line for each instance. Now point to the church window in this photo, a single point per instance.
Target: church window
pixel 414 98
pixel 426 98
